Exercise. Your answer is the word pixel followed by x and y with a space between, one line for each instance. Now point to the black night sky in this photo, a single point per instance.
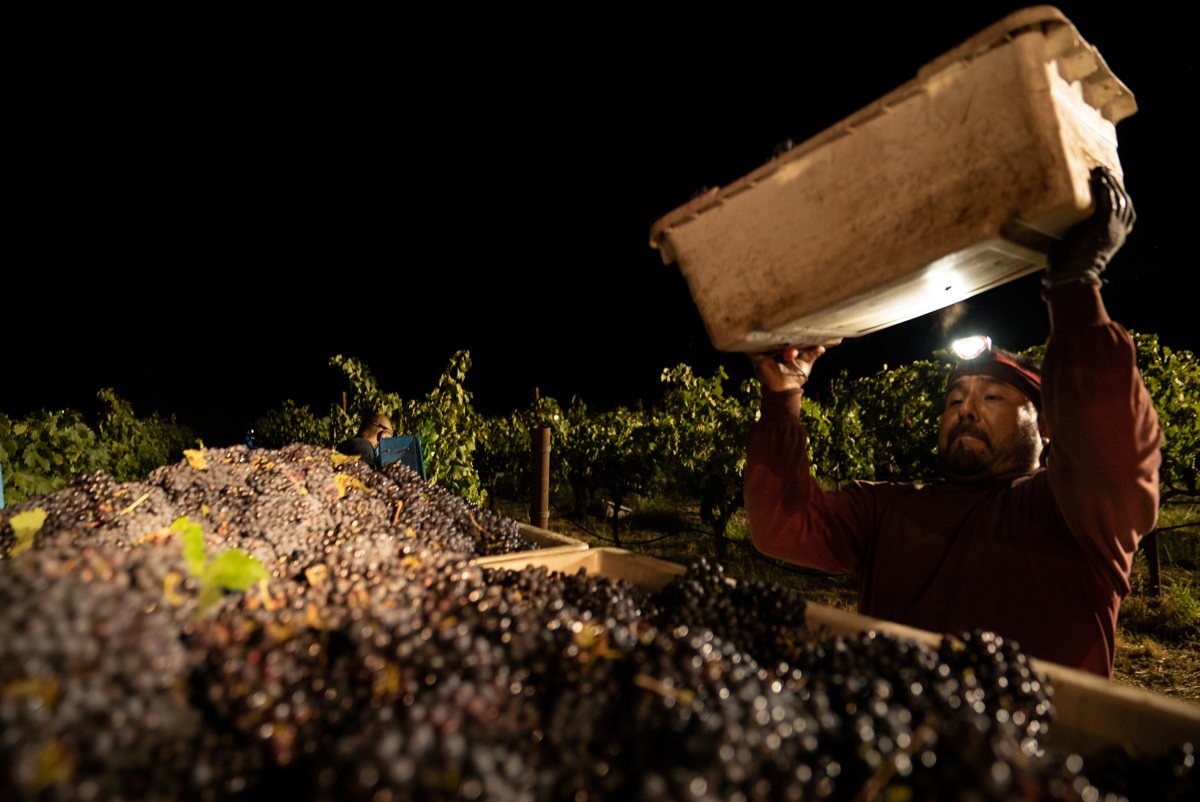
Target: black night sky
pixel 203 203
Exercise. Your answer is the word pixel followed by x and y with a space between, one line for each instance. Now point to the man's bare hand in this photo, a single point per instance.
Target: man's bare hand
pixel 789 370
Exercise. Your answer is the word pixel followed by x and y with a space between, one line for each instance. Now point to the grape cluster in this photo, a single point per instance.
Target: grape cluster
pixel 767 621
pixel 923 722
pixel 123 512
pixel 1172 776
pixel 579 596
pixel 93 679
pixel 284 504
pixel 379 662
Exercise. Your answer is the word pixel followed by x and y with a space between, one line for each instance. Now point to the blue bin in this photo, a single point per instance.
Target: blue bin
pixel 405 448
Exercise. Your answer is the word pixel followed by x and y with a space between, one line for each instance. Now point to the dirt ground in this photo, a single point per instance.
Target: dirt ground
pixel 1172 670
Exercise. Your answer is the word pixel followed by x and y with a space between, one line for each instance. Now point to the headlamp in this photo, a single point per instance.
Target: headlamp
pixel 971 347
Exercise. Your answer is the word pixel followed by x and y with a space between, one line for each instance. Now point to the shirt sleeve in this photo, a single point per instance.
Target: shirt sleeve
pixel 359 447
pixel 1104 433
pixel 791 516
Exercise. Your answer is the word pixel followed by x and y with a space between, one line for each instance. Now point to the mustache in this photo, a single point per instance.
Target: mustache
pixel 968 428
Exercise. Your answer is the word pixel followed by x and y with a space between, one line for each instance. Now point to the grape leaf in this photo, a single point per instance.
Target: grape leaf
pixel 344 482
pixel 209 595
pixel 196 458
pixel 231 570
pixel 170 583
pixel 25 526
pixel 55 766
pixel 193 544
pixel 342 459
pixel 234 570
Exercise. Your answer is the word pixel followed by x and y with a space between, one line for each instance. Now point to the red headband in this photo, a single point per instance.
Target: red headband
pixel 999 366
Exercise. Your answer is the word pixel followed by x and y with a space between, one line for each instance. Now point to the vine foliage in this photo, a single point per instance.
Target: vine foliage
pixel 42 451
pixel 878 427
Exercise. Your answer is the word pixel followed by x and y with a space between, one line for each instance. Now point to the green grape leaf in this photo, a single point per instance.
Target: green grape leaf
pixel 209 595
pixel 234 570
pixel 25 526
pixel 193 544
pixel 230 570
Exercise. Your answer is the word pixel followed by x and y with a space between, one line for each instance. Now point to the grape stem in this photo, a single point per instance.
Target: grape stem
pixel 135 504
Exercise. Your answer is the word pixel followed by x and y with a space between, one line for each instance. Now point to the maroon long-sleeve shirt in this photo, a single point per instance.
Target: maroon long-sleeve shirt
pixel 1041 558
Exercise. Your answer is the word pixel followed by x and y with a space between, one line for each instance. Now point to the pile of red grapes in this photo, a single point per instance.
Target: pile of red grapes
pixel 374 659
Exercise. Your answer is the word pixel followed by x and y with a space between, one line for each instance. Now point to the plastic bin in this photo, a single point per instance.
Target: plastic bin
pixel 403 448
pixel 954 183
pixel 1091 712
pixel 645 572
pixel 548 544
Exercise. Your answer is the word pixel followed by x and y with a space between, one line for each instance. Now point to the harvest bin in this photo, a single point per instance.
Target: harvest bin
pixel 547 543
pixel 954 183
pixel 1091 712
pixel 645 572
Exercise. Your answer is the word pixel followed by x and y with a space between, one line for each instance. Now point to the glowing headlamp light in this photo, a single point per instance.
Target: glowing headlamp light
pixel 971 347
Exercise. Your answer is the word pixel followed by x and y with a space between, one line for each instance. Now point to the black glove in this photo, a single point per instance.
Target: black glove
pixel 1084 251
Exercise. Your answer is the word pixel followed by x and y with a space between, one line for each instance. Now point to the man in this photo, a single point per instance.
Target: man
pixel 366 445
pixel 1038 555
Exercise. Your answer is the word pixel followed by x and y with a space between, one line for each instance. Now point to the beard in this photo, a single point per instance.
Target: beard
pixel 1017 453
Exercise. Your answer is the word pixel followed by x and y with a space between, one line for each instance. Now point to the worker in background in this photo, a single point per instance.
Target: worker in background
pixel 1039 555
pixel 366 444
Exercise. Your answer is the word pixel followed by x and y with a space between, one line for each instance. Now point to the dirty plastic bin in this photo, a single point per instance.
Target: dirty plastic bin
pixel 956 182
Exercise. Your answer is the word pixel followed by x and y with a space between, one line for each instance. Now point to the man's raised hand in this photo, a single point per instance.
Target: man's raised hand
pixel 787 370
pixel 1085 250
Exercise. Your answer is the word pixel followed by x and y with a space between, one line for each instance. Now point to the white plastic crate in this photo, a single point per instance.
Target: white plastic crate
pixel 954 183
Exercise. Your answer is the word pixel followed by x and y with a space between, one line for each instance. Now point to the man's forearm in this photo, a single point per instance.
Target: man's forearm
pixel 1104 433
pixel 788 511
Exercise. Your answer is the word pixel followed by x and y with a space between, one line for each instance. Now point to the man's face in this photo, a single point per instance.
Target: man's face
pixel 383 428
pixel 988 428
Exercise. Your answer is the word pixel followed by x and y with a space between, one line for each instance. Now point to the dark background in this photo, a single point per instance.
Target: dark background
pixel 203 203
